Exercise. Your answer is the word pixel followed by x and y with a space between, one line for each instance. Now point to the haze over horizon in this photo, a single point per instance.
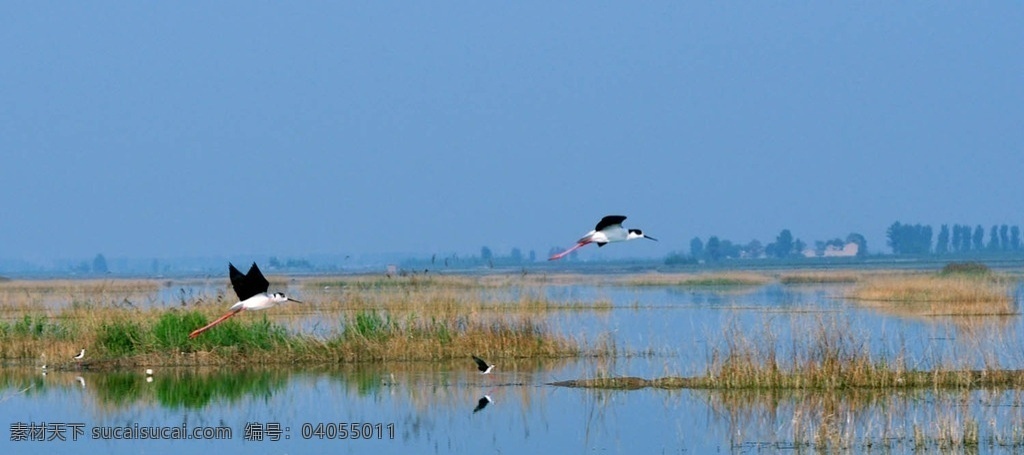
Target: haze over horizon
pixel 220 129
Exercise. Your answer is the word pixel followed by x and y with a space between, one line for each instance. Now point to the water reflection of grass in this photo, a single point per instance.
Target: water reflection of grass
pixel 196 390
pixel 867 420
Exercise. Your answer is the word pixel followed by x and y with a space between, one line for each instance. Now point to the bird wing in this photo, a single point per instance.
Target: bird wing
pixel 480 363
pixel 250 284
pixel 610 220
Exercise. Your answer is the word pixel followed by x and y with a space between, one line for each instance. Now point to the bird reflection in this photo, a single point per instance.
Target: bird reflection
pixel 482 403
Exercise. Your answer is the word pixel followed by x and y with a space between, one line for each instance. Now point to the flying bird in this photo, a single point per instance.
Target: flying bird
pixel 608 230
pixel 482 403
pixel 482 365
pixel 251 289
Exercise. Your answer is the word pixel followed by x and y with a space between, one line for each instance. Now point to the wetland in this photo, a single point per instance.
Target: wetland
pixel 734 361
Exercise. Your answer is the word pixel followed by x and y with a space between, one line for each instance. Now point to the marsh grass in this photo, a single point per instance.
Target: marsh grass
pixel 724 279
pixel 428 322
pixel 939 294
pixel 821 277
pixel 823 355
pixel 442 300
pixel 26 295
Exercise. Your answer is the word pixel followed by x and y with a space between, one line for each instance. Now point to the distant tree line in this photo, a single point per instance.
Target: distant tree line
pixel 289 264
pixel 97 266
pixel 785 246
pixel 905 239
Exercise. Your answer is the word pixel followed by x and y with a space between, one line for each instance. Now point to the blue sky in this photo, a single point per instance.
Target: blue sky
pixel 231 128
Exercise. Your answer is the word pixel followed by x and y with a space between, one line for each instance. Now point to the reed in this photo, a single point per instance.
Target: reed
pixel 822 356
pixel 821 277
pixel 939 294
pixel 118 338
pixel 725 279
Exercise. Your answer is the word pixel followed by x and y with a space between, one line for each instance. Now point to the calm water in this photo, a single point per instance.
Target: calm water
pixel 429 407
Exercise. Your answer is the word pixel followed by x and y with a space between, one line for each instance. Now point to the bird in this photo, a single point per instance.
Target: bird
pixel 482 403
pixel 81 355
pixel 251 289
pixel 608 230
pixel 81 381
pixel 149 372
pixel 482 365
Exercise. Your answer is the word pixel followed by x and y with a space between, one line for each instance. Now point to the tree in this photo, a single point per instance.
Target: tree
pixel 978 240
pixel 784 244
pixel 955 245
pixel 909 239
pixel 485 254
pixel 1004 237
pixel 516 255
pixel 862 243
pixel 713 249
pixel 533 256
pixel 696 247
pixel 99 264
pixel 993 238
pixel 798 247
pixel 942 243
pixel 894 237
pixel 1015 238
pixel 965 237
pixel 754 249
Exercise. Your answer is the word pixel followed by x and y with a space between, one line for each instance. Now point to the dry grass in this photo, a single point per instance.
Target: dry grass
pixel 27 295
pixel 820 356
pixel 724 279
pixel 821 277
pixel 938 294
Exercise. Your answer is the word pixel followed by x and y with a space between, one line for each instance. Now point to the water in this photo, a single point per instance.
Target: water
pixel 428 407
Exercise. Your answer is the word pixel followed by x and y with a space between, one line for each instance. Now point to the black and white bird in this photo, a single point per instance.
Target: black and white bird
pixel 608 230
pixel 482 365
pixel 81 355
pixel 482 403
pixel 251 289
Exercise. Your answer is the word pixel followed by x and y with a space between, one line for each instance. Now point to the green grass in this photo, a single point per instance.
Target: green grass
pixel 128 338
pixel 726 279
pixel 121 338
pixel 34 326
pixel 969 269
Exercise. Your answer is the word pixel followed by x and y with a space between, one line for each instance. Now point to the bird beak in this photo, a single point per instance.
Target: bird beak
pixel 293 300
pixel 649 237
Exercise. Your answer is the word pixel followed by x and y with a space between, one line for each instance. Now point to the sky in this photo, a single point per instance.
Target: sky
pixel 169 129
